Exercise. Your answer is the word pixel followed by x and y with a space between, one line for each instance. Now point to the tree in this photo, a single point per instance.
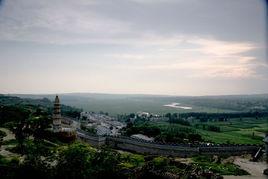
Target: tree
pixel 37 124
pixel 2 135
pixel 75 162
pixel 19 128
pixel 105 163
pixel 37 161
pixel 194 137
pixel 26 122
pixel 132 115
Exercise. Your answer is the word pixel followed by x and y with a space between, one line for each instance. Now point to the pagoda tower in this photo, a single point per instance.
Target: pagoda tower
pixel 56 115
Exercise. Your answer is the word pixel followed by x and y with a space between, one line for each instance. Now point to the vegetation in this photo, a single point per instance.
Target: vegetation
pixel 163 132
pixel 79 160
pixel 36 154
pixel 174 118
pixel 216 164
pixel 90 130
pixel 247 130
pixel 2 135
pixel 42 103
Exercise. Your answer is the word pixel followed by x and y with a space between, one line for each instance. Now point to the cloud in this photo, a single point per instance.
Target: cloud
pixel 71 22
pixel 58 22
pixel 222 48
pixel 198 57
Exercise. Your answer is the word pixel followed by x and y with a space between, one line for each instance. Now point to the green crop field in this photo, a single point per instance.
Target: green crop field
pixel 233 131
pixel 244 131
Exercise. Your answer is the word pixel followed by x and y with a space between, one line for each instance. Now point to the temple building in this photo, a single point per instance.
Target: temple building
pixel 56 115
pixel 62 126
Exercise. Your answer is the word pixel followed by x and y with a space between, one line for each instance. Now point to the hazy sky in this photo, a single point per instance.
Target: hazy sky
pixel 177 47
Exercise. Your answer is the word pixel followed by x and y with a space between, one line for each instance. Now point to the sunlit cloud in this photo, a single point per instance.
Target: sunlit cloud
pixel 204 58
pixel 222 48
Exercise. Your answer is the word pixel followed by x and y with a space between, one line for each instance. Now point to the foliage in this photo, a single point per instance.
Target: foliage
pixel 162 133
pixel 216 165
pixel 131 160
pixel 105 163
pixel 145 129
pixel 174 118
pixel 2 135
pixel 81 161
pixel 70 111
pixel 12 113
pixel 38 158
pixel 90 130
pixel 160 162
pixel 42 103
pixel 74 162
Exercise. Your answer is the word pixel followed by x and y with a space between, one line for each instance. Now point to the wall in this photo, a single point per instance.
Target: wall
pixel 95 141
pixel 154 148
pixel 143 147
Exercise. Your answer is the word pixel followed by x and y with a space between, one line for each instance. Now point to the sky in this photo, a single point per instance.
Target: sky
pixel 173 47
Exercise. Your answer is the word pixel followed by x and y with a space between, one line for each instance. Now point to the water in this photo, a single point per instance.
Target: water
pixel 177 105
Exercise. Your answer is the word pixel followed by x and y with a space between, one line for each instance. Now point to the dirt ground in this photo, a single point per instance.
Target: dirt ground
pixel 254 168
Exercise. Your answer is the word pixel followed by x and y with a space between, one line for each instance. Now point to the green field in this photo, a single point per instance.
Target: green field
pixel 247 131
pixel 233 131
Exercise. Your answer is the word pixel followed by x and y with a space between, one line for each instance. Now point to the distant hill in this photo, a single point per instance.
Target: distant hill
pixel 126 103
pixel 7 100
pixel 14 100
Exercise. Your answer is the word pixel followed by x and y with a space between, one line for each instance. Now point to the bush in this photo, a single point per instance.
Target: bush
pixel 160 162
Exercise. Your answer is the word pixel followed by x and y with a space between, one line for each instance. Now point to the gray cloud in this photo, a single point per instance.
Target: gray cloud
pixel 86 21
pixel 227 20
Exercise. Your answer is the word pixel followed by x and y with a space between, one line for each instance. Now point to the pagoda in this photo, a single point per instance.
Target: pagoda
pixel 56 117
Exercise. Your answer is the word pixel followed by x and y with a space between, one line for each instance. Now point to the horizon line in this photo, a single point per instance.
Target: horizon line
pixel 132 94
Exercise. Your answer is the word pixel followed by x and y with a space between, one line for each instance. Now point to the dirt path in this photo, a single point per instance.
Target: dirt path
pixel 9 136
